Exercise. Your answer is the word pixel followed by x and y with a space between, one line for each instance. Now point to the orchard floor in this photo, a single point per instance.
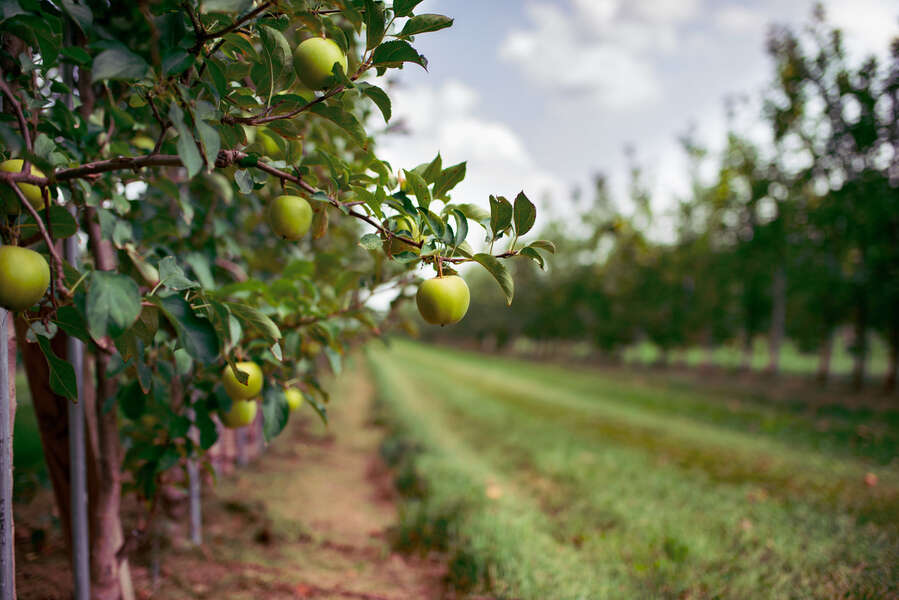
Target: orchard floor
pixel 309 519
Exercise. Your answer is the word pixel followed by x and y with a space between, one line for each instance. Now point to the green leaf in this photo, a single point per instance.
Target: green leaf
pixel 211 141
pixel 424 23
pixel 208 431
pixel 62 375
pixel 275 413
pixel 177 62
pixel 533 254
pixel 461 226
pixel 237 6
pixel 79 56
pixel 113 304
pixel 448 179
pixel 500 215
pixel 118 63
pixel 396 52
pixel 172 275
pixel 196 335
pixel 434 223
pixel 275 71
pixel 499 272
pixel 62 223
pixel 342 119
pixel 375 23
pixel 419 188
pixel 72 322
pixel 379 97
pixel 187 147
pixel 525 214
pixel 544 245
pixel 433 170
pixel 256 320
pixel 371 241
pixel 79 13
pixel 403 8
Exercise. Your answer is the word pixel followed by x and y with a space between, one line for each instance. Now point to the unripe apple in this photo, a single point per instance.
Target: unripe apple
pixel 405 226
pixel 143 142
pixel 289 217
pixel 242 413
pixel 238 391
pixel 32 192
pixel 443 300
pixel 314 61
pixel 24 277
pixel 294 398
pixel 268 146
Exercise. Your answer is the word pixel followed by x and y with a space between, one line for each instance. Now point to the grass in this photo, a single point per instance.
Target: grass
pixel 540 481
pixel 29 468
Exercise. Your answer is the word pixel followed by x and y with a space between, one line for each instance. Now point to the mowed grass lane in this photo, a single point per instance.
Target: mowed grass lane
pixel 544 482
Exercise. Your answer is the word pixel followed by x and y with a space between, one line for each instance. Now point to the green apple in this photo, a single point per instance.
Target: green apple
pixel 238 391
pixel 443 300
pixel 143 142
pixel 24 277
pixel 267 144
pixel 406 227
pixel 242 413
pixel 294 398
pixel 314 61
pixel 289 217
pixel 32 192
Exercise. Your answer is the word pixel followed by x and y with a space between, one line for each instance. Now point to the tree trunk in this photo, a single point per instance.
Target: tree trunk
pixel 824 354
pixel 860 345
pixel 889 382
pixel 110 577
pixel 778 319
pixel 51 412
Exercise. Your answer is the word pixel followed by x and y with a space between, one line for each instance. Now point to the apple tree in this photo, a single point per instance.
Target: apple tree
pixel 215 163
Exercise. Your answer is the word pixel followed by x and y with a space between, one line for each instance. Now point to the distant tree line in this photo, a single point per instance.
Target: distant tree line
pixel 795 237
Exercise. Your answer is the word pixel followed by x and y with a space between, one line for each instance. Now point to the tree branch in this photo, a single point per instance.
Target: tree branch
pixel 54 255
pixel 17 108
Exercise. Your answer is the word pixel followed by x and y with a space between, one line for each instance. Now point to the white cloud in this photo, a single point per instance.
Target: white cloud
pixel 604 48
pixel 739 19
pixel 870 24
pixel 445 119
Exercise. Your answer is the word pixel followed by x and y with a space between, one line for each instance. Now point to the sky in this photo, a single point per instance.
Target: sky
pixel 541 95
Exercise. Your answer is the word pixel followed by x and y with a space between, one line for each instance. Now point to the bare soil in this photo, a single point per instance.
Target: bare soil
pixel 311 518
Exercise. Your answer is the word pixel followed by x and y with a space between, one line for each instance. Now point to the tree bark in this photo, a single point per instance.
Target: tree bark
pixel 110 578
pixel 778 319
pixel 889 382
pixel 824 354
pixel 51 412
pixel 860 344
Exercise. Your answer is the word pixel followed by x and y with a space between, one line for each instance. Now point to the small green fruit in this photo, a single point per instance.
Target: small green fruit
pixel 294 398
pixel 242 413
pixel 24 277
pixel 32 192
pixel 314 61
pixel 406 227
pixel 268 145
pixel 143 142
pixel 443 300
pixel 238 391
pixel 290 217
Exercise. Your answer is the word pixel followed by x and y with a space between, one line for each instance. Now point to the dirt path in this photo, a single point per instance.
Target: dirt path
pixel 308 520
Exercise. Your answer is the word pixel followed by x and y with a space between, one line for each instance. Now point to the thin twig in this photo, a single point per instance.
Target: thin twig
pixel 17 107
pixel 54 255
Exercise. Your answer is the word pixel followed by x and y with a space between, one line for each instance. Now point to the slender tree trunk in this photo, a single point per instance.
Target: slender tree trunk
pixel 51 412
pixel 889 382
pixel 110 577
pixel 860 345
pixel 824 354
pixel 778 319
